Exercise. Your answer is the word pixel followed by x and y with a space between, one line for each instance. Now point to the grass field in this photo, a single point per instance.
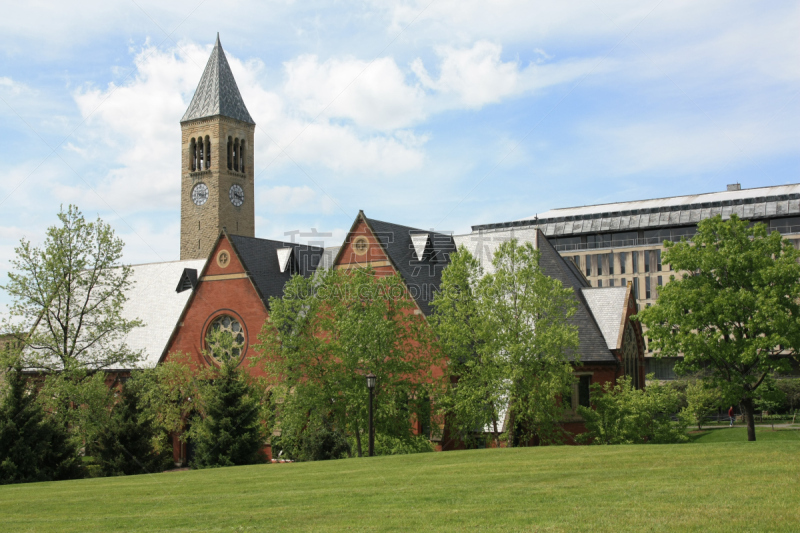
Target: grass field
pixel 738 434
pixel 725 486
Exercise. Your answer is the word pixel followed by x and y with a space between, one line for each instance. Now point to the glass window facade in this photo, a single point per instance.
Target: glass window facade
pixel 785 225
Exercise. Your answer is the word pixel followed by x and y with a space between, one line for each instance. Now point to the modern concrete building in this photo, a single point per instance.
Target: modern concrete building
pixel 614 244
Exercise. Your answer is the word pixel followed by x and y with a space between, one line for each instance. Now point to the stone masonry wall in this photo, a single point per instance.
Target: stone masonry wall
pixel 201 225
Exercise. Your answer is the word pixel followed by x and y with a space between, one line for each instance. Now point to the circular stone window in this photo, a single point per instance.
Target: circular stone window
pixel 360 245
pixel 225 339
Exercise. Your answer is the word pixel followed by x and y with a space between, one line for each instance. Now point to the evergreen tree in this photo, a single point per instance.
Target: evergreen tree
pixel 32 447
pixel 127 446
pixel 229 432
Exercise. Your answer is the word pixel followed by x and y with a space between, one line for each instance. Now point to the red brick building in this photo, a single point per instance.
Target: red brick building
pixel 233 275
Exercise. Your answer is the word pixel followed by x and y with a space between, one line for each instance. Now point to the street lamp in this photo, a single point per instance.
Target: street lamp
pixel 371 386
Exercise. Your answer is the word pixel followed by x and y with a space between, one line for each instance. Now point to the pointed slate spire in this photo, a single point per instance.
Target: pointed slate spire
pixel 217 92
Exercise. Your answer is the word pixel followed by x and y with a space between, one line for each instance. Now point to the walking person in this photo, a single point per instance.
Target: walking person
pixel 730 415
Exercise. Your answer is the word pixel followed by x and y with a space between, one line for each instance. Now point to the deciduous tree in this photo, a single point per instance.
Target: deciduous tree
pixel 509 338
pixel 733 309
pixel 326 334
pixel 67 298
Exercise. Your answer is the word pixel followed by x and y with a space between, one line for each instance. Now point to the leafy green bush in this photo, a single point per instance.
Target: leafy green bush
pixel 701 399
pixel 389 445
pixel 791 389
pixel 318 441
pixel 621 414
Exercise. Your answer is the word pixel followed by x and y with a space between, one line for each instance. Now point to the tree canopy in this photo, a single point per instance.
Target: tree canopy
pixel 67 298
pixel 733 309
pixel 326 334
pixel 509 340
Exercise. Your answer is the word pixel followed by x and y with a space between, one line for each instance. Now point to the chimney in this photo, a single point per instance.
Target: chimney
pixel 735 187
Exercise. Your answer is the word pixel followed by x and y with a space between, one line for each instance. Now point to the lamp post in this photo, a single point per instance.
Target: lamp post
pixel 371 385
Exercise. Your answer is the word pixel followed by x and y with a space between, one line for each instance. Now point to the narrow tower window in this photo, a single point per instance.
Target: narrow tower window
pixel 192 162
pixel 236 154
pixel 230 153
pixel 208 153
pixel 200 154
pixel 241 156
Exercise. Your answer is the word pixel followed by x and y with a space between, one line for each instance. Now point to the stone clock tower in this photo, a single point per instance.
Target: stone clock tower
pixel 216 162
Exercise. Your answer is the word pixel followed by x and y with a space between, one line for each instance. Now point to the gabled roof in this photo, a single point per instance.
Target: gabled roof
pixel 217 92
pixel 608 305
pixel 153 300
pixel 422 275
pixel 593 345
pixel 260 259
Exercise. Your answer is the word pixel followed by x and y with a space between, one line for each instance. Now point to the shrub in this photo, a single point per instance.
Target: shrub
pixel 701 399
pixel 621 414
pixel 389 445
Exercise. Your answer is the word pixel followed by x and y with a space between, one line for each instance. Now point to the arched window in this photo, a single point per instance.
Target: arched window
pixel 230 153
pixel 200 154
pixel 236 154
pixel 630 356
pixel 208 153
pixel 241 156
pixel 192 159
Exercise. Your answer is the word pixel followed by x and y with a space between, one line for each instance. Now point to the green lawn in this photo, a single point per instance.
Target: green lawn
pixel 733 486
pixel 738 434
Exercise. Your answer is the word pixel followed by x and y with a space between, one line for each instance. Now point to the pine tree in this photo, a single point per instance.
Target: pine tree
pixel 230 432
pixel 32 447
pixel 127 447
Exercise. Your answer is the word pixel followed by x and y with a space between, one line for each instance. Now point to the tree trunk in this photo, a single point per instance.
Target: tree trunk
pixel 510 428
pixel 747 406
pixel 358 440
pixel 496 434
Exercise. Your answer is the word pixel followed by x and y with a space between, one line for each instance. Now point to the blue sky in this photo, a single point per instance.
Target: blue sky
pixel 438 114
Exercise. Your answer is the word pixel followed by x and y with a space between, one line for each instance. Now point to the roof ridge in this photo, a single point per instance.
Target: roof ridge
pixel 277 241
pixel 408 227
pixel 217 92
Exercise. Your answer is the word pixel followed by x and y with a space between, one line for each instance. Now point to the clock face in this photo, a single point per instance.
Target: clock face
pixel 200 194
pixel 237 195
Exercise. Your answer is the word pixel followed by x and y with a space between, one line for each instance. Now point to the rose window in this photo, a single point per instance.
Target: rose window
pixel 225 338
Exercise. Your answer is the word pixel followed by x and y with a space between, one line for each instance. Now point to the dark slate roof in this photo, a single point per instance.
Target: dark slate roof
pixel 260 259
pixel 593 347
pixel 421 275
pixel 217 92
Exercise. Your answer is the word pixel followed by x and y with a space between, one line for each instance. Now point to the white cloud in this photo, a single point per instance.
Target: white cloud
pixel 371 94
pixel 476 76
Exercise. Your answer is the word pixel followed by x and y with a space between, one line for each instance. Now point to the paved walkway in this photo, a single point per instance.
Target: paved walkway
pixel 759 425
